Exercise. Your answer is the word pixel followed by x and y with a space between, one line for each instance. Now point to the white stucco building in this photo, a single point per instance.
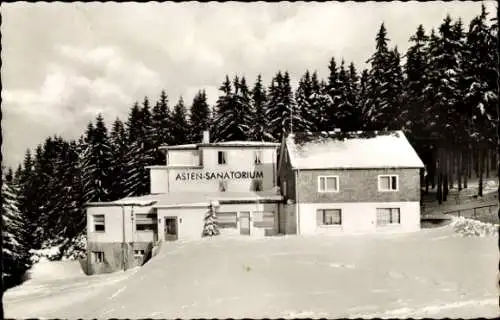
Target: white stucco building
pixel 237 178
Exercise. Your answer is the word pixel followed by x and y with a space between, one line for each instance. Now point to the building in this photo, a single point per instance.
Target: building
pixel 349 183
pixel 236 178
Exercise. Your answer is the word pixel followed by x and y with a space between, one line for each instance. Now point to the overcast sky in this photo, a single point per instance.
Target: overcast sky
pixel 62 63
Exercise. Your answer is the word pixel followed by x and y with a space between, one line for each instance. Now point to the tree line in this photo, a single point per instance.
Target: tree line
pixel 443 97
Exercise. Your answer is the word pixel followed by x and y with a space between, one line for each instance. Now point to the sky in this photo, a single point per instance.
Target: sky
pixel 64 63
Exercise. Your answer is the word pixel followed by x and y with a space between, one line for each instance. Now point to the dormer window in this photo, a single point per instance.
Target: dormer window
pixel 257 157
pixel 221 157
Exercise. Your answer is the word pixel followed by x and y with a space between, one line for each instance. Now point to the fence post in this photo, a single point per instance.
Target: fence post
pixel 474 213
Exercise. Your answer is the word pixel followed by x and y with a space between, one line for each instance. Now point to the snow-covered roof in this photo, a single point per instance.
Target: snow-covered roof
pixel 334 150
pixel 190 199
pixel 222 144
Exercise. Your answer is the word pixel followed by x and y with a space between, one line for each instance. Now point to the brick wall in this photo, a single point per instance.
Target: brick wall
pixel 359 185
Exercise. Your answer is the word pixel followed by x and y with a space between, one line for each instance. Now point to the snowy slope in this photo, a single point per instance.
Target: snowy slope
pixel 434 273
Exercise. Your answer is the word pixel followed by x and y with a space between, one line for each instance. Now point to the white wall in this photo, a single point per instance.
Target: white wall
pixel 159 180
pixel 183 157
pixel 252 208
pixel 190 222
pixel 238 159
pixel 359 217
pixel 113 224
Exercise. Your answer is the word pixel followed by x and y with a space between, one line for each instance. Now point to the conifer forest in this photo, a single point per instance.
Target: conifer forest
pixel 442 92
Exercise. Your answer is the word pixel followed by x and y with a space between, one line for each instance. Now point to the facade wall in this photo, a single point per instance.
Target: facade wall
pixel 358 217
pixel 183 157
pixel 117 256
pixel 158 178
pixel 255 209
pixel 113 217
pixel 190 221
pixel 288 219
pixel 240 167
pixel 359 185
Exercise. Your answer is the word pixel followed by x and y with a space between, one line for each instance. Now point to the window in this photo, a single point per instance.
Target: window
pixel 138 253
pixel 257 185
pixel 387 216
pixel 99 225
pixel 98 256
pixel 328 184
pixel 388 183
pixel 329 216
pixel 227 220
pixel 222 186
pixel 221 155
pixel 145 222
pixel 258 157
pixel 263 219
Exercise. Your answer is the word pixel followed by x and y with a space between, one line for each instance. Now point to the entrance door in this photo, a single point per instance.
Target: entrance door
pixel 170 228
pixel 245 223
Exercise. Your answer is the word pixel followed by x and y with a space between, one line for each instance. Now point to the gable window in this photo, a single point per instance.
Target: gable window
pixel 221 157
pixel 257 157
pixel 222 186
pixel 328 184
pixel 98 221
pixel 98 256
pixel 388 216
pixel 145 222
pixel 257 185
pixel 388 183
pixel 329 217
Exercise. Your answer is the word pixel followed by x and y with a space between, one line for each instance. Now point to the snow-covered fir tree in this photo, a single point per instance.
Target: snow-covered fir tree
pixel 280 106
pixel 15 245
pixel 97 159
pixel 210 227
pixel 119 150
pixel 306 115
pixel 260 130
pixel 180 123
pixel 162 125
pixel 233 112
pixel 200 116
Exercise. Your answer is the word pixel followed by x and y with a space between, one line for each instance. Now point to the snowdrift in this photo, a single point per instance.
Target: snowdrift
pixel 473 228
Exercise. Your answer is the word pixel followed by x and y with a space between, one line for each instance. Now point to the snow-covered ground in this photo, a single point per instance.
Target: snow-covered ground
pixel 431 273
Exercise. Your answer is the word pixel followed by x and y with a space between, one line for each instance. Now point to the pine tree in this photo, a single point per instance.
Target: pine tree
pixel 280 106
pixel 180 124
pixel 211 227
pixel 201 118
pixel 119 149
pixel 381 108
pixel 162 126
pixel 15 248
pixel 306 115
pixel 97 161
pixel 233 113
pixel 416 69
pixel 260 130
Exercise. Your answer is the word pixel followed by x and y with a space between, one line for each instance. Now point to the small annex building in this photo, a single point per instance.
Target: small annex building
pixel 349 182
pixel 237 179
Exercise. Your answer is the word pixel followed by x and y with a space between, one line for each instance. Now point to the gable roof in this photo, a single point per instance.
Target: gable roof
pixel 356 150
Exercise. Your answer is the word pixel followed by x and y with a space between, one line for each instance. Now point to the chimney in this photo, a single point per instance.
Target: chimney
pixel 206 137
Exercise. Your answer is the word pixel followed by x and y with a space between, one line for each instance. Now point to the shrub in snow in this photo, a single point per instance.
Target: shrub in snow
pixel 60 249
pixel 211 228
pixel 470 228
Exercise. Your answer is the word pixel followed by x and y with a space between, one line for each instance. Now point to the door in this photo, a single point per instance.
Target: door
pixel 170 228
pixel 245 223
